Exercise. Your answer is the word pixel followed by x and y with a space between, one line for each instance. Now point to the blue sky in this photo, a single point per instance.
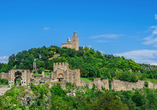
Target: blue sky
pixel 121 27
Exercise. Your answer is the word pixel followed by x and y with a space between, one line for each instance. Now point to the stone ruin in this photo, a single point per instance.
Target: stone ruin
pixel 62 74
pixel 14 74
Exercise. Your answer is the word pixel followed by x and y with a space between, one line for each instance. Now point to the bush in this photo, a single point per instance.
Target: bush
pixel 134 78
pixel 146 84
pixel 3 82
pixel 40 70
pixel 91 78
pixel 34 72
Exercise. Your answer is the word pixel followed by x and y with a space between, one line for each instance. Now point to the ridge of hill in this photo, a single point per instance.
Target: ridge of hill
pixel 91 63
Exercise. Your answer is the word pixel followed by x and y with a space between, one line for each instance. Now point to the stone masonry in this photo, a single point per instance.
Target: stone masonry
pixel 74 44
pixel 17 73
pixel 118 85
pixel 61 72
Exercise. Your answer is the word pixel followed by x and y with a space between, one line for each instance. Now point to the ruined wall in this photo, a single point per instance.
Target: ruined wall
pixel 43 78
pixel 124 85
pixel 4 75
pixel 63 84
pixel 98 83
pixel 25 75
pixel 37 77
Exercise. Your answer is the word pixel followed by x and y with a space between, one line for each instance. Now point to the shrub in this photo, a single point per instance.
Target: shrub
pixel 91 78
pixel 40 70
pixel 3 82
pixel 34 72
pixel 146 84
pixel 134 78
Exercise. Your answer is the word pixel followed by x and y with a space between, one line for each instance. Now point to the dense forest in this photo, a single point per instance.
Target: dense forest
pixel 92 64
pixel 43 98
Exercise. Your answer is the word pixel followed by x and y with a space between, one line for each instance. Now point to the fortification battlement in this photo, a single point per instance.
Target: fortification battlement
pixel 62 65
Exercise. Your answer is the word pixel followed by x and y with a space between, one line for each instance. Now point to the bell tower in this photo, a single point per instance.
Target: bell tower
pixel 75 41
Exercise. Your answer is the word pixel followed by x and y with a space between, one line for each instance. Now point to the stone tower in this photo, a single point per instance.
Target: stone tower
pixel 75 41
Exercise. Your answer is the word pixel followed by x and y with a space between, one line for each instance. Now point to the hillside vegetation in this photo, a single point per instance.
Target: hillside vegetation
pixel 92 64
pixel 41 97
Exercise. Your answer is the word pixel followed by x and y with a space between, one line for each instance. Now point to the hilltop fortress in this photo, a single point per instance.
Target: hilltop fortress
pixel 74 44
pixel 62 74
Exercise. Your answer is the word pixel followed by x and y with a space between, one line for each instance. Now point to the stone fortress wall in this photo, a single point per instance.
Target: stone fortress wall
pixel 61 72
pixel 73 76
pixel 4 75
pixel 11 75
pixel 118 85
pixel 98 83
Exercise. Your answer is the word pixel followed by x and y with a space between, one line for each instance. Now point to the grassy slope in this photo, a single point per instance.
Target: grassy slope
pixel 55 56
pixel 86 79
pixel 46 73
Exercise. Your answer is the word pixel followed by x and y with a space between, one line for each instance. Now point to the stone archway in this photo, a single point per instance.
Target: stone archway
pixel 18 78
pixel 15 74
pixel 60 77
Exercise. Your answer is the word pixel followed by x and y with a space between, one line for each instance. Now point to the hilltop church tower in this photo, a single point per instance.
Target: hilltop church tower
pixel 74 44
pixel 75 41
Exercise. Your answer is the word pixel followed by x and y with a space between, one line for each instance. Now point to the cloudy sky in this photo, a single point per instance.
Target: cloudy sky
pixel 121 27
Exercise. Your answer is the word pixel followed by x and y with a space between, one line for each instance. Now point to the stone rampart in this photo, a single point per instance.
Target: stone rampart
pixel 98 83
pixel 118 85
pixel 63 84
pixel 37 77
pixel 41 78
pixel 4 75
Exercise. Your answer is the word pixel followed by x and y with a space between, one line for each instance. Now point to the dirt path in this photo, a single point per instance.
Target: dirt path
pixel 3 90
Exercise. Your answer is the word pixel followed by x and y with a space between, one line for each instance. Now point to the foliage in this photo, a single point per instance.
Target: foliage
pixel 57 90
pixel 91 63
pixel 4 81
pixel 146 84
pixel 5 68
pixel 55 98
pixel 40 70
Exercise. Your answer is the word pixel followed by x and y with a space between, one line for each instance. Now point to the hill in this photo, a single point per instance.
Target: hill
pixel 91 63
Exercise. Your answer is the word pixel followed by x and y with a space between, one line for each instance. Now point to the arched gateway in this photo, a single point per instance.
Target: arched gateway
pixel 19 73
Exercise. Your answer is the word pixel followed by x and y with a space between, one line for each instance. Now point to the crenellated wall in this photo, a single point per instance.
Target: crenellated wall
pixel 63 66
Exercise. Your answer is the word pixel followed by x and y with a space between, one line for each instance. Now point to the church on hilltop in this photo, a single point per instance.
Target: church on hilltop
pixel 74 44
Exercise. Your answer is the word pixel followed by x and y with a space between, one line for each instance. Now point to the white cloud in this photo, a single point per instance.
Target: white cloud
pixel 102 52
pixel 3 59
pixel 141 56
pixel 46 28
pixel 101 41
pixel 89 46
pixel 107 36
pixel 155 16
pixel 151 39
